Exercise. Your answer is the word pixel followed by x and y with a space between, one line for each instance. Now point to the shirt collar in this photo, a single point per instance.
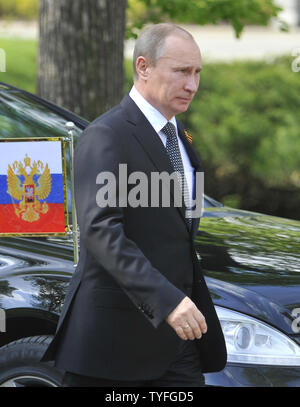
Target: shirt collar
pixel 156 119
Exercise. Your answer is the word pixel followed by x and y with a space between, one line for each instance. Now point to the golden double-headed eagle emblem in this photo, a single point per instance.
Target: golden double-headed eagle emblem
pixel 29 183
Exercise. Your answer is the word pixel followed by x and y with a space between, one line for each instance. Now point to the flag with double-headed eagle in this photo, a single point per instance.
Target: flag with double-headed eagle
pixel 32 199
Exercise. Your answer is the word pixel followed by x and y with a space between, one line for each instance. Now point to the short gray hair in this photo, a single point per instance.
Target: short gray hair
pixel 150 43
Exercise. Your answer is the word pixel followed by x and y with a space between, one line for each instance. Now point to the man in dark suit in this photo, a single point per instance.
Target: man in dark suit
pixel 138 311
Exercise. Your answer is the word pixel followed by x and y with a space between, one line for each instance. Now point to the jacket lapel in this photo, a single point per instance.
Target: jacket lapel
pixel 146 136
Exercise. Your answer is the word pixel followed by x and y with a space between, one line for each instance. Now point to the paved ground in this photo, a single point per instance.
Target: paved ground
pixel 18 29
pixel 216 42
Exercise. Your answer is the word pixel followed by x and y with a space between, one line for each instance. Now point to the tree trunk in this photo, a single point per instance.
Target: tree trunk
pixel 80 64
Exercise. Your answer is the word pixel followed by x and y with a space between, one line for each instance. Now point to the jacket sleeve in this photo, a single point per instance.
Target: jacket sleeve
pixel 101 228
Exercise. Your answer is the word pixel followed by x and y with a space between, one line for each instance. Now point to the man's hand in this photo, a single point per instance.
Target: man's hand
pixel 187 320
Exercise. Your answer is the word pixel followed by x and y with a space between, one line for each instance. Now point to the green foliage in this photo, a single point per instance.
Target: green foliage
pixel 23 9
pixel 237 13
pixel 128 69
pixel 20 63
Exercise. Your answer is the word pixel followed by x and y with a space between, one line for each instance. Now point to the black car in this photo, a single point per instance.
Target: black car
pixel 251 264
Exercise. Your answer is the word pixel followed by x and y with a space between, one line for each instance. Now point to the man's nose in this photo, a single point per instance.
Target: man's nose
pixel 192 83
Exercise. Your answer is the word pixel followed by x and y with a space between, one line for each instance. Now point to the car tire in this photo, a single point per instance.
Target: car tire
pixel 20 364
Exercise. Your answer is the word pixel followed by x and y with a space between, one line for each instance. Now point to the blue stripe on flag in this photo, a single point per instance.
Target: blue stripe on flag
pixel 56 195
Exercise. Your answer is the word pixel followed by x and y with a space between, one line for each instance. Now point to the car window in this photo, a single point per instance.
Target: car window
pixel 22 117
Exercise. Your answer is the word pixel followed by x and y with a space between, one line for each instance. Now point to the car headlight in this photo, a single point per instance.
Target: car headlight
pixel 251 341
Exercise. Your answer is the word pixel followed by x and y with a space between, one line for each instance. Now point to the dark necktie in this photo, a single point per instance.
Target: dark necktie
pixel 173 151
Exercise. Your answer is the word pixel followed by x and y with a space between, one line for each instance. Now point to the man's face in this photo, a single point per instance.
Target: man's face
pixel 172 83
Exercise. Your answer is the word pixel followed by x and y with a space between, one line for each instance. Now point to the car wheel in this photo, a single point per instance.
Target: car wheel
pixel 20 364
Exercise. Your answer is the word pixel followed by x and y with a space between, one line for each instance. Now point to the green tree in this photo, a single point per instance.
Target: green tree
pixel 236 13
pixel 22 9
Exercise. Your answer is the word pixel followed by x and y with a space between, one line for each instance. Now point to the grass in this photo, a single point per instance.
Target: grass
pixel 21 63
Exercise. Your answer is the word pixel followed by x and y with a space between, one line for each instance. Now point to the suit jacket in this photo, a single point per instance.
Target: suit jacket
pixel 136 263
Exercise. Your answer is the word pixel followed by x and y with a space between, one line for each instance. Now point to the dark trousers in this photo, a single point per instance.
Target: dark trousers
pixel 185 371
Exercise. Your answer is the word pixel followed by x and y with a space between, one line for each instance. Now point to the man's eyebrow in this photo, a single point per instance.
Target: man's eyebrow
pixel 199 68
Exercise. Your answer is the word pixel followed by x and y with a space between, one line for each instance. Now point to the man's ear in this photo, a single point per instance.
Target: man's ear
pixel 142 68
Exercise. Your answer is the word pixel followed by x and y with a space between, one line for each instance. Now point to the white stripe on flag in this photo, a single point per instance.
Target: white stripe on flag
pixel 46 151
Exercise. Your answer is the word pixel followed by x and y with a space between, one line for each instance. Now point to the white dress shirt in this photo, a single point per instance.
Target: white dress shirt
pixel 158 121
